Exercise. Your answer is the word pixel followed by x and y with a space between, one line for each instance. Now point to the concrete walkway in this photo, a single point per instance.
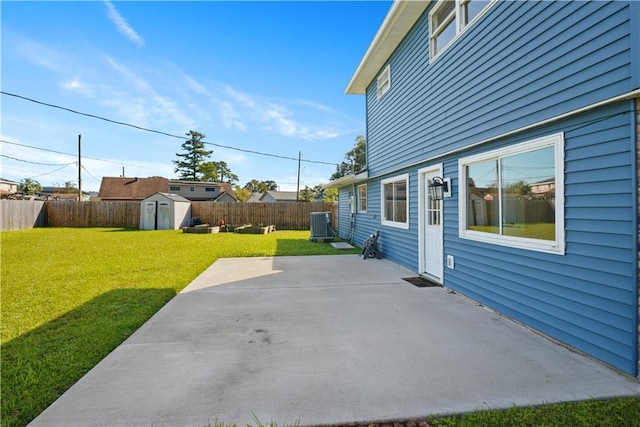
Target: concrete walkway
pixel 323 340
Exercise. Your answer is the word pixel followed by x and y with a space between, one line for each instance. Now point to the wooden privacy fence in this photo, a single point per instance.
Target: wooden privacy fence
pixel 21 214
pixel 285 216
pixel 93 214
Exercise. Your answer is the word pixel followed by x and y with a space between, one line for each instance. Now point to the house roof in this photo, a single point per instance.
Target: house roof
pixel 119 188
pixel 399 20
pixel 283 196
pixel 226 194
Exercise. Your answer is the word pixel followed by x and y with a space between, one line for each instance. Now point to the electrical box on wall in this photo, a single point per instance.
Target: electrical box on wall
pixel 450 262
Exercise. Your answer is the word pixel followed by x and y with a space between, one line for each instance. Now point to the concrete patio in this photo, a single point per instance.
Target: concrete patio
pixel 323 340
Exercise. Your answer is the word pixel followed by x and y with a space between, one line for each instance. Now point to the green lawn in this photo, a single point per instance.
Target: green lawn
pixel 70 296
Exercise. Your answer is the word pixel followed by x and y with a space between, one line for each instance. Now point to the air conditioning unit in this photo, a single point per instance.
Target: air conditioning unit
pixel 321 226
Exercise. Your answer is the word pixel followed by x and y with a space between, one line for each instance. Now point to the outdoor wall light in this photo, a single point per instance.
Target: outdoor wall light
pixel 437 188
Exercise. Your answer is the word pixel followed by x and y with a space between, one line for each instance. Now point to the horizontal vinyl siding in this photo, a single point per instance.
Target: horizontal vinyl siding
pixel 358 228
pixel 530 61
pixel 586 297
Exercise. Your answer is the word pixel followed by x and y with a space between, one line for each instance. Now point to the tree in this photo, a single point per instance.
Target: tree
pixel 224 173
pixel 256 186
pixel 194 155
pixel 242 194
pixel 308 194
pixel 330 195
pixel 29 186
pixel 354 161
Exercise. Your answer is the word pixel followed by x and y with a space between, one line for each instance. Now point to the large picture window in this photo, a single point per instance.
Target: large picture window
pixel 395 201
pixel 450 18
pixel 514 196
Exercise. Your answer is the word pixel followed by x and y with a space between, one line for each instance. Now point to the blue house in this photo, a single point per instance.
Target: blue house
pixel 527 115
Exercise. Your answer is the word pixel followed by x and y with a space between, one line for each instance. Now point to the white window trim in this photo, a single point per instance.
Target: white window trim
pixel 396 224
pixel 555 247
pixel 383 77
pixel 459 30
pixel 366 199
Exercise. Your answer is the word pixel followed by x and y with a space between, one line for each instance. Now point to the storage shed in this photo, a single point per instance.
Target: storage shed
pixel 165 211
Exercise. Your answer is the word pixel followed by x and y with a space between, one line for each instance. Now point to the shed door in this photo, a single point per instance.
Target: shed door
pixel 164 216
pixel 149 216
pixel 432 251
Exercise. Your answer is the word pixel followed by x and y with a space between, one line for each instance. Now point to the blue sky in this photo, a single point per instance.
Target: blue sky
pixel 258 76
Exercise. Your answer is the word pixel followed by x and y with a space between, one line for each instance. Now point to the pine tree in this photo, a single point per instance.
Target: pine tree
pixel 193 156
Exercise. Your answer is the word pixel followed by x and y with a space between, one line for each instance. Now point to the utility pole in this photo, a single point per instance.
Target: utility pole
pixel 79 170
pixel 298 186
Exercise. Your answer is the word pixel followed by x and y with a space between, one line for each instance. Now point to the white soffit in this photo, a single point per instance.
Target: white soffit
pixel 399 20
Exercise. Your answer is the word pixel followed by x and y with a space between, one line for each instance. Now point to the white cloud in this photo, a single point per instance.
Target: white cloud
pixel 274 117
pixel 41 55
pixel 122 25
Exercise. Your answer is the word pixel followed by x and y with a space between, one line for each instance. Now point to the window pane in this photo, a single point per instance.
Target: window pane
pixel 442 13
pixel 388 202
pixel 528 194
pixel 471 9
pixel 443 25
pixel 482 197
pixel 362 197
pixel 401 201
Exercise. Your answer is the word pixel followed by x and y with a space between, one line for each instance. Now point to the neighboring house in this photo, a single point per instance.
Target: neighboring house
pixel 494 97
pixel 254 198
pixel 273 196
pixel 8 187
pixel 226 197
pixel 128 189
pixel 202 191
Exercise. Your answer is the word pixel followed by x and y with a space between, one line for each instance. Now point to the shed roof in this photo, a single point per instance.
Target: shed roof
pixel 399 20
pixel 171 196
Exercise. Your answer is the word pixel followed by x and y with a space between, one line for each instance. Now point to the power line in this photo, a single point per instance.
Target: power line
pixel 90 174
pixel 48 173
pixel 161 132
pixel 36 163
pixel 72 155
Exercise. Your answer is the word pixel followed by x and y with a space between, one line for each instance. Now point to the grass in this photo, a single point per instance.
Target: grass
pixel 70 296
pixel 620 412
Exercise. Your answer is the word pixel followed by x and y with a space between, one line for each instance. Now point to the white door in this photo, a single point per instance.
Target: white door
pixel 432 241
pixel 149 216
pixel 164 216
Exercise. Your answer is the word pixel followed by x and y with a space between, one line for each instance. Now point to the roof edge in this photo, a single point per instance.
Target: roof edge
pixel 348 180
pixel 401 17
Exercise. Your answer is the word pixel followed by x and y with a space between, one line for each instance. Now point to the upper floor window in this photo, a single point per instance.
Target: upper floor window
pixel 210 189
pixel 362 198
pixel 173 188
pixel 395 202
pixel 450 18
pixel 383 82
pixel 192 188
pixel 514 196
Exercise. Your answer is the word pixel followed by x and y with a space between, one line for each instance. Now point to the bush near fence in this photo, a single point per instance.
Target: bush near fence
pixel 285 216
